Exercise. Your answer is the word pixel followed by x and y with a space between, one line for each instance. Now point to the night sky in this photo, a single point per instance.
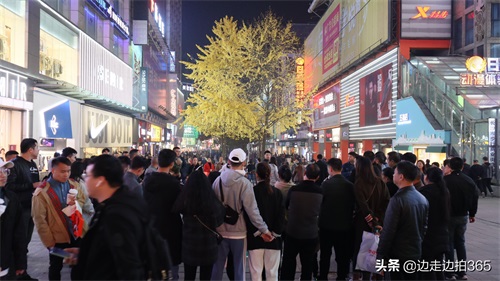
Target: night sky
pixel 198 17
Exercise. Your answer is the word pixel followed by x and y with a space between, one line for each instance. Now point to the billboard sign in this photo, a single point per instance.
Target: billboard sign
pixel 375 97
pixel 57 120
pixel 105 129
pixel 327 108
pixel 426 19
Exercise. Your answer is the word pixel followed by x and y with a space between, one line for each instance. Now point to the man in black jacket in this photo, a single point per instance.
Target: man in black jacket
pixel 405 222
pixel 336 221
pixel 303 203
pixel 113 247
pixel 323 169
pixel 13 235
pixel 23 180
pixel 476 174
pixel 463 197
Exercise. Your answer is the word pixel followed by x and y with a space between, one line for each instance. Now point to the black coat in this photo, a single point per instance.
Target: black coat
pixel 323 171
pixel 199 245
pixel 436 239
pixel 338 204
pixel 113 246
pixel 21 179
pixel 13 233
pixel 463 194
pixel 272 210
pixel 160 192
pixel 476 172
pixel 405 224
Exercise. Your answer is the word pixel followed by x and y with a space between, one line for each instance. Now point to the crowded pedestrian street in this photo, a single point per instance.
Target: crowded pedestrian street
pixel 482 244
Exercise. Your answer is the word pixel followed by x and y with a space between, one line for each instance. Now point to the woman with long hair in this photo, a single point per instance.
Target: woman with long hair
pixel 202 213
pixel 372 198
pixel 436 239
pixel 421 170
pixel 272 209
pixel 298 174
pixel 77 169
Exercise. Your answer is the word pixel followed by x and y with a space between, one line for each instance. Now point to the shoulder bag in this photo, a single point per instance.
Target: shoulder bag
pixel 231 216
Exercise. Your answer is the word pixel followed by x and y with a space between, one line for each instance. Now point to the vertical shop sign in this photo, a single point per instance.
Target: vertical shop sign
pixel 492 132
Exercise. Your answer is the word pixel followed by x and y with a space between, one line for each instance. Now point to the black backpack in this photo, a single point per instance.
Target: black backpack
pixel 158 262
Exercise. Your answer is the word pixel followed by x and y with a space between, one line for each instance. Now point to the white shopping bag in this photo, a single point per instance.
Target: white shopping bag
pixel 367 256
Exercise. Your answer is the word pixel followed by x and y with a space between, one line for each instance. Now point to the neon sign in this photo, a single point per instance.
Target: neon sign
pixel 422 13
pixel 299 87
pixel 157 16
pixel 477 65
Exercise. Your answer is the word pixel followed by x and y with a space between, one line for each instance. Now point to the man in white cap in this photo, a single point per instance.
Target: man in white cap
pixel 12 229
pixel 238 194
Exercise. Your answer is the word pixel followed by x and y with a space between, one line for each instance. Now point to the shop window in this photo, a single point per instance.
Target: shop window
pixel 457 34
pixel 495 19
pixel 117 6
pixel 90 23
pixel 469 53
pixel 58 50
pixel 13 32
pixel 469 3
pixel 469 28
pixel 495 50
pixel 56 5
pixel 117 46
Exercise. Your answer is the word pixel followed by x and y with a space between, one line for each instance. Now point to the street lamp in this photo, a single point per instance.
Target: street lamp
pixel 309 153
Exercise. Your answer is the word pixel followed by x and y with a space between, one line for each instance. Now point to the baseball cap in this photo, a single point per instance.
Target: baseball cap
pixel 6 165
pixel 237 155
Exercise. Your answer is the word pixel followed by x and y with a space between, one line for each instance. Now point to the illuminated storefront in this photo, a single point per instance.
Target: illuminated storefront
pixel 13 32
pixel 58 50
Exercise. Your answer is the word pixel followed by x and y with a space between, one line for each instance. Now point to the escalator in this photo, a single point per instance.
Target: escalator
pixel 444 109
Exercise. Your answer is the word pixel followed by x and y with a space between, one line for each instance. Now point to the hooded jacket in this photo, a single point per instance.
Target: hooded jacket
pixel 112 248
pixel 239 195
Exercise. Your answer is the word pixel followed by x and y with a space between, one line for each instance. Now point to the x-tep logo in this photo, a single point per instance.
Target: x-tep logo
pixel 422 13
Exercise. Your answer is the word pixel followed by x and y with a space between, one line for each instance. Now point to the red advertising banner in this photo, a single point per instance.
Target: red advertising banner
pixel 331 40
pixel 375 97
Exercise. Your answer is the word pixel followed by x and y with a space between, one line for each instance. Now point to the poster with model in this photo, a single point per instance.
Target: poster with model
pixel 375 97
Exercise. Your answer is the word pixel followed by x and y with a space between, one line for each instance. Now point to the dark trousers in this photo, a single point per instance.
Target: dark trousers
pixel 402 275
pixel 56 263
pixel 433 275
pixel 456 228
pixel 305 249
pixel 190 272
pixel 487 184
pixel 342 243
pixel 29 225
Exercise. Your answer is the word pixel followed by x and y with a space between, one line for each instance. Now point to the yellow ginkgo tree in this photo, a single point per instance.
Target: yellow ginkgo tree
pixel 245 81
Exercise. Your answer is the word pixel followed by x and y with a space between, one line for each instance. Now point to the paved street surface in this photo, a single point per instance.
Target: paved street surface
pixel 482 241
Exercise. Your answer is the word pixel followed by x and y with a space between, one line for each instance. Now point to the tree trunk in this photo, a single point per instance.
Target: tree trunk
pixel 262 145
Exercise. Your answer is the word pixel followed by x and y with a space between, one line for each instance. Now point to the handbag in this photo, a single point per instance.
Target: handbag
pixel 231 216
pixel 367 256
pixel 217 234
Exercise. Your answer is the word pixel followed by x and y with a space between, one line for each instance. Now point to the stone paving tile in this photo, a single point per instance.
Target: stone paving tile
pixel 482 242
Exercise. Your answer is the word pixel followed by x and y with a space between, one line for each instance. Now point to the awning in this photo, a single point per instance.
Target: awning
pixel 436 149
pixel 402 147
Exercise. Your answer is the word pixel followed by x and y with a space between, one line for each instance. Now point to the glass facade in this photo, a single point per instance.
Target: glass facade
pixel 58 50
pixel 469 28
pixel 457 34
pixel 13 31
pixel 11 129
pixel 495 19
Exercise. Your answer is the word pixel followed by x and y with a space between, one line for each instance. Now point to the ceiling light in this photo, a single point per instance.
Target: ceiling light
pixel 460 69
pixel 452 77
pixel 475 97
pixel 432 61
pixel 486 106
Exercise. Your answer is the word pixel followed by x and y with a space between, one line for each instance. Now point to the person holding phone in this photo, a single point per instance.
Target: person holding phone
pixel 53 205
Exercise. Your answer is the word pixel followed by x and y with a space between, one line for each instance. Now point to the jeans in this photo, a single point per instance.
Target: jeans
pixel 238 248
pixel 457 228
pixel 305 248
pixel 342 242
pixel 190 272
pixel 259 258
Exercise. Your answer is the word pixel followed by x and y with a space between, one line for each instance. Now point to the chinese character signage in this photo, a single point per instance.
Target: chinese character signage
pixel 299 87
pixel 327 108
pixel 492 132
pixel 331 40
pixel 476 66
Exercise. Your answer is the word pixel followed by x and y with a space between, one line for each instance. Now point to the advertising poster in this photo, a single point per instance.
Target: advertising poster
pixel 331 40
pixel 140 82
pixel 57 120
pixel 327 108
pixel 157 88
pixel 375 97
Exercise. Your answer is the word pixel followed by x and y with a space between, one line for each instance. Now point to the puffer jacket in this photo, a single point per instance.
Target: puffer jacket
pixel 405 224
pixel 239 195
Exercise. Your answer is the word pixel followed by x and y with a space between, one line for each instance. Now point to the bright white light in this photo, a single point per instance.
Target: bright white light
pixel 453 77
pixel 432 61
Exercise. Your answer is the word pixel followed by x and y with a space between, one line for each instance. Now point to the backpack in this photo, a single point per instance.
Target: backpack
pixel 158 262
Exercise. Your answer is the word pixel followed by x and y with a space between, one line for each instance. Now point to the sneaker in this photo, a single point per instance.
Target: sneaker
pixel 26 276
pixel 450 277
pixel 463 277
